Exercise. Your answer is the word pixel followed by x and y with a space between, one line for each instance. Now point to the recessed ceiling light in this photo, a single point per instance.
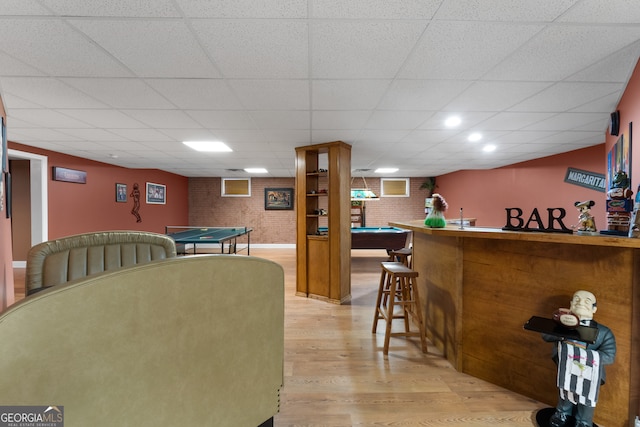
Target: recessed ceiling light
pixel 489 148
pixel 452 121
pixel 256 170
pixel 386 170
pixel 474 137
pixel 211 146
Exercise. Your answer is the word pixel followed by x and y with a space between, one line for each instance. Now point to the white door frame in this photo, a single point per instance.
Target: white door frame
pixel 39 195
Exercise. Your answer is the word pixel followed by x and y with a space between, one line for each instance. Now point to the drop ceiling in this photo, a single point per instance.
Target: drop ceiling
pixel 124 82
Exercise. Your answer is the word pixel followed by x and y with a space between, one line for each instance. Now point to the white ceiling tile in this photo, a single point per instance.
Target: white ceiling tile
pixel 422 94
pixel 569 121
pixel 120 93
pixel 13 102
pixel 524 137
pixel 428 136
pixel 348 94
pixel 574 48
pixel 23 7
pixel 272 94
pixel 141 135
pixel 31 135
pixel 503 10
pixel 494 96
pixel 562 97
pixel 611 11
pixel 340 119
pixel 439 52
pixel 293 9
pixel 256 48
pixel 52 47
pixel 119 8
pixel 281 119
pixel 164 119
pixel 47 118
pixel 602 105
pixel 374 9
pixel 197 94
pixel 221 119
pixel 50 93
pixel 240 135
pixel 96 135
pixel 105 119
pixel 602 71
pixel 381 136
pixel 512 121
pixel 151 48
pixel 361 49
pixel 286 138
pixel 10 66
pixel 397 119
pixel 319 136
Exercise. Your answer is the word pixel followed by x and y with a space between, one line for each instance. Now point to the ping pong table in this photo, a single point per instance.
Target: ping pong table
pixel 187 235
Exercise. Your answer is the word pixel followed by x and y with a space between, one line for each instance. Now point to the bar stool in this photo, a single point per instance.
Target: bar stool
pixel 398 288
pixel 402 255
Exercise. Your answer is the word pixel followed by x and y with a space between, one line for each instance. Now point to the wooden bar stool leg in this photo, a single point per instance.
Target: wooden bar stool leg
pixel 415 297
pixel 406 302
pixel 387 334
pixel 376 315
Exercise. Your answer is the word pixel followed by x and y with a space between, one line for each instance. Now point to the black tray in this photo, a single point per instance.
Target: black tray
pixel 586 334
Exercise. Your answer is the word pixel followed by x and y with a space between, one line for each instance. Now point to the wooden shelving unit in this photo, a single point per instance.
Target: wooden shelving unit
pixel 357 213
pixel 323 241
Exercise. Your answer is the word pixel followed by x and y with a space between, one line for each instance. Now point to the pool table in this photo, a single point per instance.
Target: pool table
pixel 388 238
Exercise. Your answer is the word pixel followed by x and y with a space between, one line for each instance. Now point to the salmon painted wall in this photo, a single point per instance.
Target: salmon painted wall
pixel 629 107
pixel 82 208
pixel 7 296
pixel 485 194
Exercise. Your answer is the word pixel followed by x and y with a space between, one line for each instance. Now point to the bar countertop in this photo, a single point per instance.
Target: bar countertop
pixel 418 226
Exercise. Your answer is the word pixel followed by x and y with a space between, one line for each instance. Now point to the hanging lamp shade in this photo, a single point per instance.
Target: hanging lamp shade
pixel 363 194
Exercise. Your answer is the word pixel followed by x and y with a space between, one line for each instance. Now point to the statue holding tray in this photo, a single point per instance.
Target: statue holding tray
pixel 582 348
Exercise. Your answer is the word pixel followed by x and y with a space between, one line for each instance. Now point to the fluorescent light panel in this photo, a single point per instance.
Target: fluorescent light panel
pixel 386 170
pixel 209 146
pixel 256 170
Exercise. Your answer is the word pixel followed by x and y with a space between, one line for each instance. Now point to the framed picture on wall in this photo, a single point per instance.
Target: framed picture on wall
pixel 121 193
pixel 7 193
pixel 4 148
pixel 278 198
pixel 156 194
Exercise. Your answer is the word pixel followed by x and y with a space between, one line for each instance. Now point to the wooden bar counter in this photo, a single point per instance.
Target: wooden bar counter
pixel 480 285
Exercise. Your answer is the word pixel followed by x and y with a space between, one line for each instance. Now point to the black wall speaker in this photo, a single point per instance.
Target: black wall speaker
pixel 614 124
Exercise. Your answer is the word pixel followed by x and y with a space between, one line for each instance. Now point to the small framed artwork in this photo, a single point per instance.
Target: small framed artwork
pixel 4 148
pixel 121 193
pixel 69 175
pixel 7 193
pixel 156 194
pixel 278 198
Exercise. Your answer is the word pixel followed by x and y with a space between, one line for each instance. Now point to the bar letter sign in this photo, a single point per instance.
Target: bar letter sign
pixel 592 180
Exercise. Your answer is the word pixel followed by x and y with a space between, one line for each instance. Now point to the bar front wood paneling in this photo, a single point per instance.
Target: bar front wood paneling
pixel 481 285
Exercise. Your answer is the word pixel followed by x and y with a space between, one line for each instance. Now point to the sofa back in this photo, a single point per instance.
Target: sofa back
pixel 61 260
pixel 187 341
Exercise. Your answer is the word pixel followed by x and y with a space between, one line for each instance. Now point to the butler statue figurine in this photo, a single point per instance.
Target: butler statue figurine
pixel 581 366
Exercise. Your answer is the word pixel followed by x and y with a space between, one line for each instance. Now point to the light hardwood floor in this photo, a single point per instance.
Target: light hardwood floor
pixel 336 374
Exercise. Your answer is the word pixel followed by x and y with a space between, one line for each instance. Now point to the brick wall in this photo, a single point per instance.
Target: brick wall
pixel 208 208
